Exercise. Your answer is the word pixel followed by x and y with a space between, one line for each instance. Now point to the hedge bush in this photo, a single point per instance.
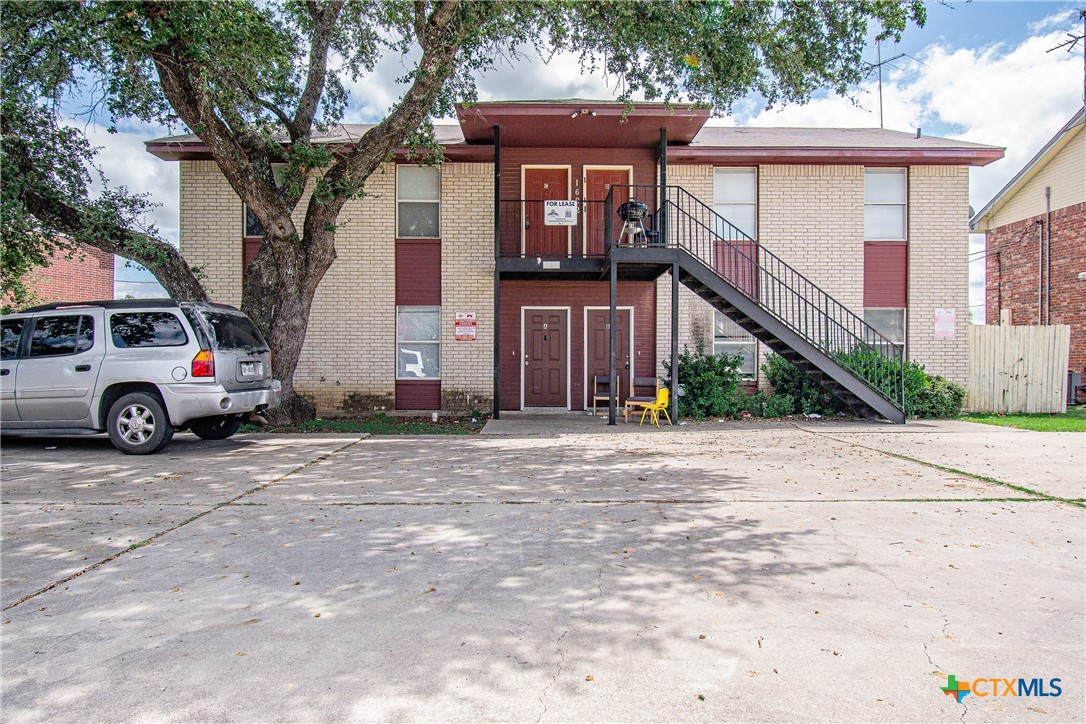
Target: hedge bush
pixel 928 396
pixel 709 382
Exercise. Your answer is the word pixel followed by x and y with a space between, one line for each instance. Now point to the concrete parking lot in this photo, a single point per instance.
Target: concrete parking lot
pixel 551 570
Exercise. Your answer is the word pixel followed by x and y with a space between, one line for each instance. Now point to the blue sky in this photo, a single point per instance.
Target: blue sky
pixel 982 74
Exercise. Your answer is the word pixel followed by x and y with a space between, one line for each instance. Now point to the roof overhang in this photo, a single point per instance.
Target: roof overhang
pixel 169 150
pixel 580 124
pixel 835 156
pixel 1031 169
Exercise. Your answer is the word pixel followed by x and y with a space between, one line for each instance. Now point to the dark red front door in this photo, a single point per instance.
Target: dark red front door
pixel 598 340
pixel 546 344
pixel 541 184
pixel 597 184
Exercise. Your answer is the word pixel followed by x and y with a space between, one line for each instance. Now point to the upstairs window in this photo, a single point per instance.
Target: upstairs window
pixel 418 202
pixel 735 197
pixel 884 204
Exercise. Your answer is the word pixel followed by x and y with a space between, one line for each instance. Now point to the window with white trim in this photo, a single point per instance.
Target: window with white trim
pixel 418 202
pixel 888 322
pixel 418 343
pixel 735 197
pixel 885 191
pixel 730 338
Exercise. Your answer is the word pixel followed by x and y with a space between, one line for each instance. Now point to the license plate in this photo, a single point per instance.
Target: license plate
pixel 250 369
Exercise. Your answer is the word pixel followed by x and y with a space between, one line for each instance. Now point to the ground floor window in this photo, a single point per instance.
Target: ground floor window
pixel 418 343
pixel 890 323
pixel 730 338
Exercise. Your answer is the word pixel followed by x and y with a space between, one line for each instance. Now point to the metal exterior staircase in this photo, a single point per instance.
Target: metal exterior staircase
pixel 776 304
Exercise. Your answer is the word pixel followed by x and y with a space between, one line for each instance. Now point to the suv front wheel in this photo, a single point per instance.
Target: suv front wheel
pixel 138 425
pixel 219 427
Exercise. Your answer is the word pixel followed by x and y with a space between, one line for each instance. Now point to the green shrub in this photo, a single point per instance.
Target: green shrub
pixel 709 381
pixel 789 381
pixel 940 398
pixel 925 395
pixel 779 405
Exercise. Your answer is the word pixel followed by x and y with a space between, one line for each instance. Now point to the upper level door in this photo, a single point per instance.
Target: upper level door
pixel 544 184
pixel 597 184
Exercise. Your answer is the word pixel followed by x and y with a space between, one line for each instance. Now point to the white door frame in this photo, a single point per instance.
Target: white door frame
pixel 569 191
pixel 569 333
pixel 584 354
pixel 584 195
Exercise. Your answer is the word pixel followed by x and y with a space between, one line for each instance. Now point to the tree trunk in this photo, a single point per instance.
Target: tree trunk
pixel 278 296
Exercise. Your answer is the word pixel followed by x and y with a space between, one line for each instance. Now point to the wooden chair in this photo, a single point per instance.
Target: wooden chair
pixel 601 391
pixel 648 387
pixel 660 405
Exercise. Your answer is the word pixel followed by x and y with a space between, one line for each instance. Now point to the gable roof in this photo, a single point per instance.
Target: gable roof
pixel 1031 169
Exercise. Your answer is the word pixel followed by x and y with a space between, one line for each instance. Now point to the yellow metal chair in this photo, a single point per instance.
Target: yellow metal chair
pixel 656 408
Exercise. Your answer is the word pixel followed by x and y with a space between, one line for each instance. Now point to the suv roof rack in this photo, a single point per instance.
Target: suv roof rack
pixel 107 304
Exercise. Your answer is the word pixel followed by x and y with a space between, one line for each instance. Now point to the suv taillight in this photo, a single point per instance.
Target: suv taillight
pixel 203 364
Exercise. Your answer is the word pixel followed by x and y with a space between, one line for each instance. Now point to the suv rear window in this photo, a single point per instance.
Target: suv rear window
pixel 146 329
pixel 232 331
pixel 68 334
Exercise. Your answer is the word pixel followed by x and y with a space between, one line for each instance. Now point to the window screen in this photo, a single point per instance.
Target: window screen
pixel 735 197
pixel 418 202
pixel 885 192
pixel 730 338
pixel 146 329
pixel 418 343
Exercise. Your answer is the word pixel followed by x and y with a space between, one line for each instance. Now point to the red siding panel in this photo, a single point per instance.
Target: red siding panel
pixel 250 246
pixel 418 272
pixel 418 394
pixel 886 274
pixel 643 161
pixel 516 294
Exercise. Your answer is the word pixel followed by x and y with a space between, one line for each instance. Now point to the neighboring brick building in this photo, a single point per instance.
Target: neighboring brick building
pixel 405 317
pixel 86 276
pixel 1035 239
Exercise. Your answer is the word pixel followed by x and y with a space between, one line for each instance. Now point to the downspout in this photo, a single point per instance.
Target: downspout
pixel 1048 255
pixel 497 274
pixel 1040 270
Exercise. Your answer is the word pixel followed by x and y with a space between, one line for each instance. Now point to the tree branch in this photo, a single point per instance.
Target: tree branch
pixel 323 24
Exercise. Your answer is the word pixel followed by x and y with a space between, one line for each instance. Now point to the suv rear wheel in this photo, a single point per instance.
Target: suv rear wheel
pixel 138 425
pixel 216 428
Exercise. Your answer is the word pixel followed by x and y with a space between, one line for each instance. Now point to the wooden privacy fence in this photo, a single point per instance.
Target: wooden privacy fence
pixel 1018 368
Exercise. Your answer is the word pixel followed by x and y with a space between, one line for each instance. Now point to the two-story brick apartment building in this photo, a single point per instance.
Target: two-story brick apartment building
pixel 811 239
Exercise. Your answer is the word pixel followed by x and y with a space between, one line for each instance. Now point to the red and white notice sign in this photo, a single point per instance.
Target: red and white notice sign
pixel 946 323
pixel 465 326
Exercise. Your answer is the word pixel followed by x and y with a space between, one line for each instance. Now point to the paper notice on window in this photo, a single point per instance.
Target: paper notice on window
pixel 946 323
pixel 560 213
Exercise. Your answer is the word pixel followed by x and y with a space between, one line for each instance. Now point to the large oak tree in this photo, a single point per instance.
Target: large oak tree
pixel 257 81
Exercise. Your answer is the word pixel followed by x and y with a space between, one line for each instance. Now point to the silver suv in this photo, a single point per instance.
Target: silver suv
pixel 136 369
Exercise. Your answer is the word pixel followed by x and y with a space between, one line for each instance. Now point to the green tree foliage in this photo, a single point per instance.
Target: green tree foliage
pixel 709 381
pixel 257 80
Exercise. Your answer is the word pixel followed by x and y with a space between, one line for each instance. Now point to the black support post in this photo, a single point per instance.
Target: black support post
pixel 497 274
pixel 612 385
pixel 674 342
pixel 662 225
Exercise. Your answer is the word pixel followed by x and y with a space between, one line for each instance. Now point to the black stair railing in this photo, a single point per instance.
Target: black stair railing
pixel 806 309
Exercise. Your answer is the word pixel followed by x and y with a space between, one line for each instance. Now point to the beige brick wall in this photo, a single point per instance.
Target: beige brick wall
pixel 938 272
pixel 211 229
pixel 695 315
pixel 812 217
pixel 467 283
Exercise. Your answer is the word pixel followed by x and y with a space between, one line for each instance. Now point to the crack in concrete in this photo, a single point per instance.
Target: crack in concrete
pixel 558 671
pixel 161 534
